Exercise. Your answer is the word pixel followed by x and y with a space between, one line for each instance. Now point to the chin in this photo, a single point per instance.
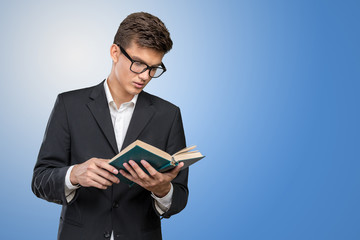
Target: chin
pixel 135 91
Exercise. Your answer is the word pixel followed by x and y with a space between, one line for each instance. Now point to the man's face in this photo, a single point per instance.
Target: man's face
pixel 128 82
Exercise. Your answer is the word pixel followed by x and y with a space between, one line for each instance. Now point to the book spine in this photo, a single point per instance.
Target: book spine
pixel 167 167
pixel 173 161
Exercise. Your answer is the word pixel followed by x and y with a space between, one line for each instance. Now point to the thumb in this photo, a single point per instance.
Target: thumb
pixel 178 167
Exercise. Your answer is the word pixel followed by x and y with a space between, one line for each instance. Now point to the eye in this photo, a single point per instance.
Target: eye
pixel 139 64
pixel 153 70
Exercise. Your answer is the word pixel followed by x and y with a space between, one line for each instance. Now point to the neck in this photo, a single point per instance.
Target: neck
pixel 118 94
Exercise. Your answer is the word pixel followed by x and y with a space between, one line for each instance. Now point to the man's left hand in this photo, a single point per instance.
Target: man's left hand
pixel 156 182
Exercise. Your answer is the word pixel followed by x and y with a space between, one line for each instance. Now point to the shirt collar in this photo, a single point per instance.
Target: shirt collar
pixel 110 99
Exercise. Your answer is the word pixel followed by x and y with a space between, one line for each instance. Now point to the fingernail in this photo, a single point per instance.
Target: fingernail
pixel 115 171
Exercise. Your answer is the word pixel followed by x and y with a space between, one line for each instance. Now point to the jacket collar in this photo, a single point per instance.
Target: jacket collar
pixel 143 112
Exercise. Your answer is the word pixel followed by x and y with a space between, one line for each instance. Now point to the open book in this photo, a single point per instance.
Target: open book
pixel 157 158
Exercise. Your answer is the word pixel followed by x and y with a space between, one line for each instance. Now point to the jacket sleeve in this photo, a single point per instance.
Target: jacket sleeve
pixel 176 142
pixel 53 161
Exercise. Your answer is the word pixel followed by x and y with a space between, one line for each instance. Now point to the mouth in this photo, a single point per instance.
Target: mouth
pixel 138 85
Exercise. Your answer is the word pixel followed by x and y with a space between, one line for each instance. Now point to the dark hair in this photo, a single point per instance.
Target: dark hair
pixel 145 30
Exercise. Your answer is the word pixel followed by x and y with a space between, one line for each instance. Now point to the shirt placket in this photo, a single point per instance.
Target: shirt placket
pixel 120 125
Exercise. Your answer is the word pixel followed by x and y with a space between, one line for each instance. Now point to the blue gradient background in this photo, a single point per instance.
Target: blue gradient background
pixel 269 91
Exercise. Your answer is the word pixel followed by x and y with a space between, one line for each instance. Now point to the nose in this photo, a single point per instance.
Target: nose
pixel 145 75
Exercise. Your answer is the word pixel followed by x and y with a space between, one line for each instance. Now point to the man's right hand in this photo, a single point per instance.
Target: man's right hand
pixel 95 172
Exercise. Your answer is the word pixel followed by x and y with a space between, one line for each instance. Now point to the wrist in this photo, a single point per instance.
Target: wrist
pixel 73 179
pixel 163 191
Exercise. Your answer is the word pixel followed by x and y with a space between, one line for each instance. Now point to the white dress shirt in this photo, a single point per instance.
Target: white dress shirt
pixel 121 119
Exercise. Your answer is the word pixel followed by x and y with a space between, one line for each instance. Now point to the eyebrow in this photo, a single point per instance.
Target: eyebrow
pixel 138 59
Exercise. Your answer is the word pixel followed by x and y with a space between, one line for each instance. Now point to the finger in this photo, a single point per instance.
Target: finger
pixel 130 170
pixel 104 163
pixel 127 175
pixel 152 171
pixel 93 180
pixel 180 165
pixel 92 183
pixel 99 179
pixel 97 185
pixel 105 174
pixel 177 169
pixel 141 174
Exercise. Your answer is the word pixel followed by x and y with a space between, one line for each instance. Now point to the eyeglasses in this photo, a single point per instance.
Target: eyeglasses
pixel 140 67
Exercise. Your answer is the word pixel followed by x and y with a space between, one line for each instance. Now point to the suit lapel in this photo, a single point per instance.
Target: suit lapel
pixel 100 110
pixel 143 112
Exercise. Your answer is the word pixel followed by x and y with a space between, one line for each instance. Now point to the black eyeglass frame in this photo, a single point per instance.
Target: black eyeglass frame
pixel 162 66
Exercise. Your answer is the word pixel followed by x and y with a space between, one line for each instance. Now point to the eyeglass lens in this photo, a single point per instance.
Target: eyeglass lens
pixel 139 67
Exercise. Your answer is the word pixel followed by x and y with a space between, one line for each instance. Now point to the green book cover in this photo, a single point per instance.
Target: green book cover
pixel 157 158
pixel 137 154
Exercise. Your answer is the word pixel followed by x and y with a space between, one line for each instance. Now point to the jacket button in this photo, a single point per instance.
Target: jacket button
pixel 115 205
pixel 107 234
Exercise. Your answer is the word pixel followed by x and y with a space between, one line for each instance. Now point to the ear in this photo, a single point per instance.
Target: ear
pixel 115 53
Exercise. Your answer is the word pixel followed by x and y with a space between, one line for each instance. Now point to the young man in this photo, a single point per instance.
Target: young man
pixel 87 127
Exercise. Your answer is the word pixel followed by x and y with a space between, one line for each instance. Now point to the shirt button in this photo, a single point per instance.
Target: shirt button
pixel 115 205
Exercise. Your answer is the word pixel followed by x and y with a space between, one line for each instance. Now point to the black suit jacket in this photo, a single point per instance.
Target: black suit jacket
pixel 80 128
